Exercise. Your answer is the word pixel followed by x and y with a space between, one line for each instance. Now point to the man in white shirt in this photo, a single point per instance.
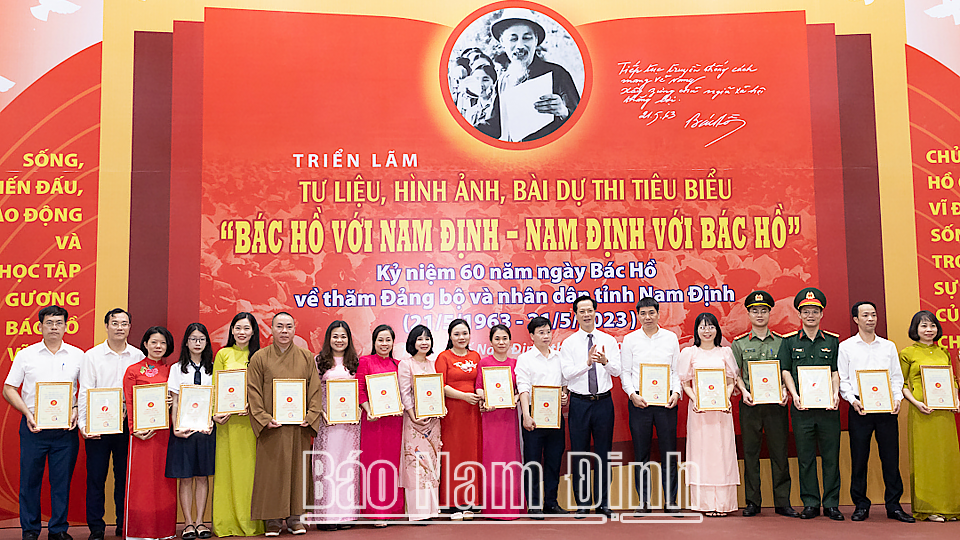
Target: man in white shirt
pixel 865 350
pixel 540 366
pixel 589 359
pixel 652 345
pixel 103 366
pixel 51 360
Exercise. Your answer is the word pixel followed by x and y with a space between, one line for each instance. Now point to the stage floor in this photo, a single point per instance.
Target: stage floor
pixel 734 527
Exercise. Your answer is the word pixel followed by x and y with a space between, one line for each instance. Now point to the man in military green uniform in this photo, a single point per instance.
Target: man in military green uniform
pixel 811 346
pixel 760 344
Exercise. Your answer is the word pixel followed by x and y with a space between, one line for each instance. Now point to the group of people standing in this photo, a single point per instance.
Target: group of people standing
pixel 493 460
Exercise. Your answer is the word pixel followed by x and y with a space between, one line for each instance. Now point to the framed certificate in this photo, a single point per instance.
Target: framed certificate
pixel 428 396
pixel 816 387
pixel 343 397
pixel 711 385
pixel 53 405
pixel 195 407
pixel 875 392
pixel 231 388
pixel 938 387
pixel 765 381
pixel 150 407
pixel 498 387
pixel 383 392
pixel 104 411
pixel 289 401
pixel 545 406
pixel 655 383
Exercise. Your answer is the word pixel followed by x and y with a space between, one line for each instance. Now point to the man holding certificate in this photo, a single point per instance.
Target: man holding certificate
pixel 103 366
pixel 46 374
pixel 589 359
pixel 870 355
pixel 812 427
pixel 658 349
pixel 540 367
pixel 763 407
pixel 278 475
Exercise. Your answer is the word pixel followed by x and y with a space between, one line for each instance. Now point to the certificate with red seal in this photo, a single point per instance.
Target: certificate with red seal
pixel 342 402
pixel 53 405
pixel 104 411
pixel 655 383
pixel 875 392
pixel 711 385
pixel 289 401
pixel 765 381
pixel 383 394
pixel 231 391
pixel 195 407
pixel 150 407
pixel 938 387
pixel 816 387
pixel 428 396
pixel 498 387
pixel 545 406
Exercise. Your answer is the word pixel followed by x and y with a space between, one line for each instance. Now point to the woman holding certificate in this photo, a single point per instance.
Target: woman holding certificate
pixel 380 436
pixel 496 385
pixel 236 443
pixel 420 463
pixel 461 426
pixel 150 509
pixel 191 451
pixel 336 442
pixel 930 386
pixel 707 373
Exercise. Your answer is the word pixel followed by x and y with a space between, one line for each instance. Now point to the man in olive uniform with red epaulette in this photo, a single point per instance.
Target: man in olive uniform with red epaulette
pixel 756 420
pixel 811 346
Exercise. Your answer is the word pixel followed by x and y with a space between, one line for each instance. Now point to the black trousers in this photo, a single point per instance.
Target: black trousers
pixel 98 464
pixel 642 422
pixel 591 419
pixel 543 446
pixel 886 429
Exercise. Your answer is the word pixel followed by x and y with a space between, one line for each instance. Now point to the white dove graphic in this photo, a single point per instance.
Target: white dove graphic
pixel 62 7
pixel 5 84
pixel 946 9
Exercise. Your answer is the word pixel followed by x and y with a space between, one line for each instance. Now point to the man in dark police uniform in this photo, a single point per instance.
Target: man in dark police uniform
pixel 811 346
pixel 770 419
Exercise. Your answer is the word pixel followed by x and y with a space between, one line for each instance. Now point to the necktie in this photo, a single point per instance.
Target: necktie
pixel 592 372
pixel 196 373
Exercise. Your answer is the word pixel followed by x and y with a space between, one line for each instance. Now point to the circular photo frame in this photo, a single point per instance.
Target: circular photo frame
pixel 515 75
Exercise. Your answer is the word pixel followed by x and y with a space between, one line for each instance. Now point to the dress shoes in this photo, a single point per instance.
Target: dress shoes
pixel 787 511
pixel 59 536
pixel 30 536
pixel 535 513
pixel 119 531
pixel 860 514
pixel 641 512
pixel 554 509
pixel 810 512
pixel 833 513
pixel 582 513
pixel 605 511
pixel 751 510
pixel 900 515
pixel 96 535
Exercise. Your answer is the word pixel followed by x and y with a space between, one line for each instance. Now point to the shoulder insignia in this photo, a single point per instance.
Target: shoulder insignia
pixel 789 334
pixel 774 334
pixel 831 334
pixel 745 334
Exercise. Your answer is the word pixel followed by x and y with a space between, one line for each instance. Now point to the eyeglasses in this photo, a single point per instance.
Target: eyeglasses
pixel 54 324
pixel 119 325
pixel 197 340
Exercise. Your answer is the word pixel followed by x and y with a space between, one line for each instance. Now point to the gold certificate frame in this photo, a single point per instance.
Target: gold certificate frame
pixel 428 399
pixel 289 401
pixel 766 382
pixel 104 411
pixel 150 407
pixel 383 394
pixel 231 385
pixel 711 385
pixel 498 387
pixel 655 384
pixel 53 405
pixel 938 387
pixel 816 387
pixel 876 396
pixel 195 407
pixel 343 396
pixel 545 406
